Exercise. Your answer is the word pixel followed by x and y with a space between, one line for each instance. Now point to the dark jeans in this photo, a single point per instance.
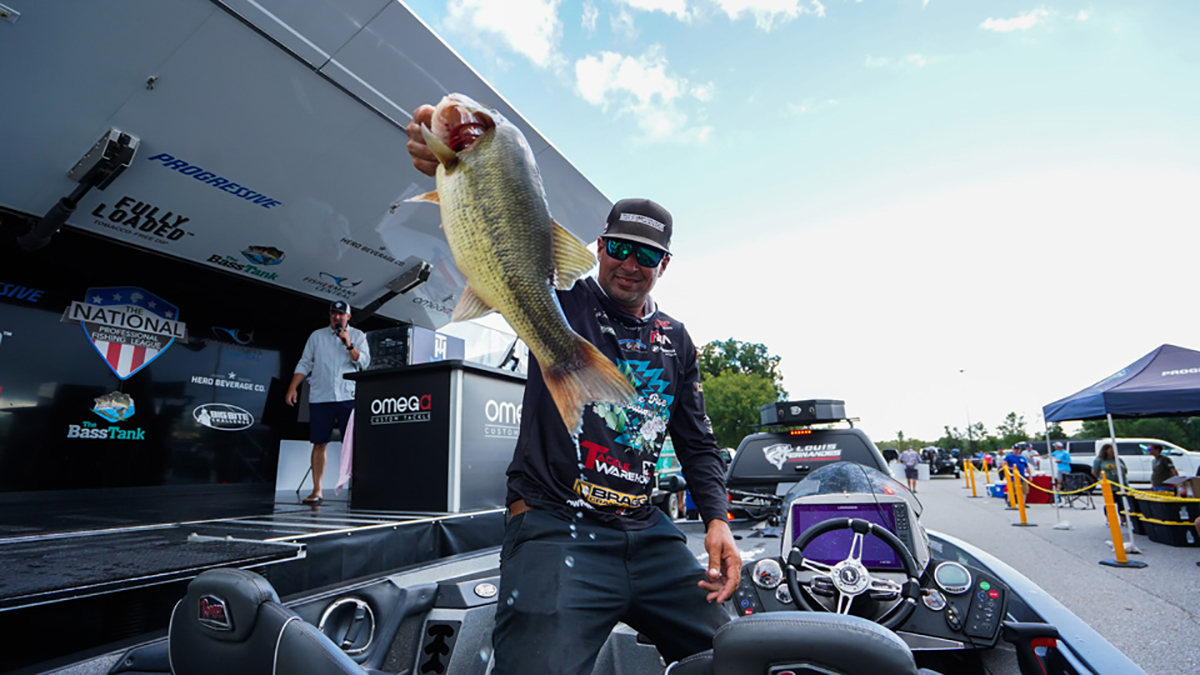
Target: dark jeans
pixel 564 584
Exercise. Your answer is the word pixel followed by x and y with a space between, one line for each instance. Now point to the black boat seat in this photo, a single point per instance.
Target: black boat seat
pixel 231 623
pixel 804 643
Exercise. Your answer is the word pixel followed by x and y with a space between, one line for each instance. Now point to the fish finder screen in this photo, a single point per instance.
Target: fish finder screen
pixel 833 547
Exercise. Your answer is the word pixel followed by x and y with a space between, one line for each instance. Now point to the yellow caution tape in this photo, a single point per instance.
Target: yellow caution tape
pixel 1140 494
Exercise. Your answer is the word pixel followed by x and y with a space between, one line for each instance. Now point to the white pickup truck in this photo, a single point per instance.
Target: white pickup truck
pixel 1136 455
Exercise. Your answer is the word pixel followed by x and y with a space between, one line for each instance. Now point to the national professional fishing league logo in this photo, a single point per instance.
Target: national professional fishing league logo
pixel 129 327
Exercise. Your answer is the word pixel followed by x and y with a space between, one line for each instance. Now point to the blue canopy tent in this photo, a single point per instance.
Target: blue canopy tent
pixel 1162 383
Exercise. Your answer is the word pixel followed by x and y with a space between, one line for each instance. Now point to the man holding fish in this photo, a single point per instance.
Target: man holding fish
pixel 583 546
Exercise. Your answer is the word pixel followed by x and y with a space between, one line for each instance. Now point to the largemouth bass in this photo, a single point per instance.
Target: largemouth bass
pixel 498 224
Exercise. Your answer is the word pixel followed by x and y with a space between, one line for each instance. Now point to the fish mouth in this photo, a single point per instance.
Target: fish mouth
pixel 465 135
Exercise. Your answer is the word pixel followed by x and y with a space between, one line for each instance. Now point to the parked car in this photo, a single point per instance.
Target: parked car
pixel 1136 455
pixel 942 462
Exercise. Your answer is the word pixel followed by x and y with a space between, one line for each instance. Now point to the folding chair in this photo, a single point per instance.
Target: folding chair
pixel 1077 481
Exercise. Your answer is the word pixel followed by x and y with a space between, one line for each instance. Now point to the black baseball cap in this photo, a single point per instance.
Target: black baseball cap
pixel 640 220
pixel 339 307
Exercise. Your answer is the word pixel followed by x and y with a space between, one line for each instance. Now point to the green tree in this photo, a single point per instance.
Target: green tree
pixel 1055 430
pixel 719 357
pixel 732 401
pixel 1170 429
pixel 1012 430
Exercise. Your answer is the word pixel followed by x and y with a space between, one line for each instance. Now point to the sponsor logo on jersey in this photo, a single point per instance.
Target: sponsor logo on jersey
pixel 632 345
pixel 600 461
pixel 128 327
pixel 599 495
pixel 143 220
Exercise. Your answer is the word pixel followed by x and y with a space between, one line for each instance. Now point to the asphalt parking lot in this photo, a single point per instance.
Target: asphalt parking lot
pixel 1151 614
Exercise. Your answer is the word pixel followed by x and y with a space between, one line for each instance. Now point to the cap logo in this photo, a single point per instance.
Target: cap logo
pixel 644 220
pixel 214 613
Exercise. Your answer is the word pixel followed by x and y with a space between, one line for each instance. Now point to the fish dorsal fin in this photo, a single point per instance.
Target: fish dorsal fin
pixel 431 197
pixel 444 154
pixel 571 257
pixel 470 306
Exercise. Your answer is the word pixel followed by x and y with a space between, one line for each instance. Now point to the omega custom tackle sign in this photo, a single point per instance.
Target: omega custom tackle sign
pixel 129 327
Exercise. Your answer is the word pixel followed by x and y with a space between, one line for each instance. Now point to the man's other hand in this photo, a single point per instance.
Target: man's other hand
pixel 724 562
pixel 291 397
pixel 422 157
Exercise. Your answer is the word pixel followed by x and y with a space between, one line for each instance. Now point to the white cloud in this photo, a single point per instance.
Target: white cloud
pixel 1022 22
pixel 622 24
pixel 1083 15
pixel 919 61
pixel 703 92
pixel 767 12
pixel 590 14
pixel 644 88
pixel 875 62
pixel 528 27
pixel 675 8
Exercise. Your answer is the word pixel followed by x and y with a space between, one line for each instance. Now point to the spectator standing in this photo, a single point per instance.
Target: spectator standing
pixel 1162 469
pixel 1017 462
pixel 910 459
pixel 1063 459
pixel 1105 465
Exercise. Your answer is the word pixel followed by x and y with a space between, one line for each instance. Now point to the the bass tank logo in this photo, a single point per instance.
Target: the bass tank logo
pixel 264 255
pixel 114 406
pixel 129 327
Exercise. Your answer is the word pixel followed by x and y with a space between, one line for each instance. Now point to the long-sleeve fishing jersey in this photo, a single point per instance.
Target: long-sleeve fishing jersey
pixel 607 471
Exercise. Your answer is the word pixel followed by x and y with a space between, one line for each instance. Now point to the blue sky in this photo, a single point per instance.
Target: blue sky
pixel 934 210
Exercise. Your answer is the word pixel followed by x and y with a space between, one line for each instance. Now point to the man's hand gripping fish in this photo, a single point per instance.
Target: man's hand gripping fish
pixel 514 255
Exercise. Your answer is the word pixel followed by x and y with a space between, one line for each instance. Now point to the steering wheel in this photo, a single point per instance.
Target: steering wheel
pixel 850 578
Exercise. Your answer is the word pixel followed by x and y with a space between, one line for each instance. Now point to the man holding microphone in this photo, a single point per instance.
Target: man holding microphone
pixel 329 354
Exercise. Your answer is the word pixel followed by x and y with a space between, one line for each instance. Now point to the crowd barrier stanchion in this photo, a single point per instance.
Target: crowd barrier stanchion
pixel 1114 526
pixel 1018 478
pixel 966 478
pixel 1010 500
pixel 987 477
pixel 971 478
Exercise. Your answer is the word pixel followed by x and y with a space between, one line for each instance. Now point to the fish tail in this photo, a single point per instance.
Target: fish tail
pixel 591 376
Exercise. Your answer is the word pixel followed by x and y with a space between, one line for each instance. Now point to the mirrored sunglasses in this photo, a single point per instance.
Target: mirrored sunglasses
pixel 647 256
